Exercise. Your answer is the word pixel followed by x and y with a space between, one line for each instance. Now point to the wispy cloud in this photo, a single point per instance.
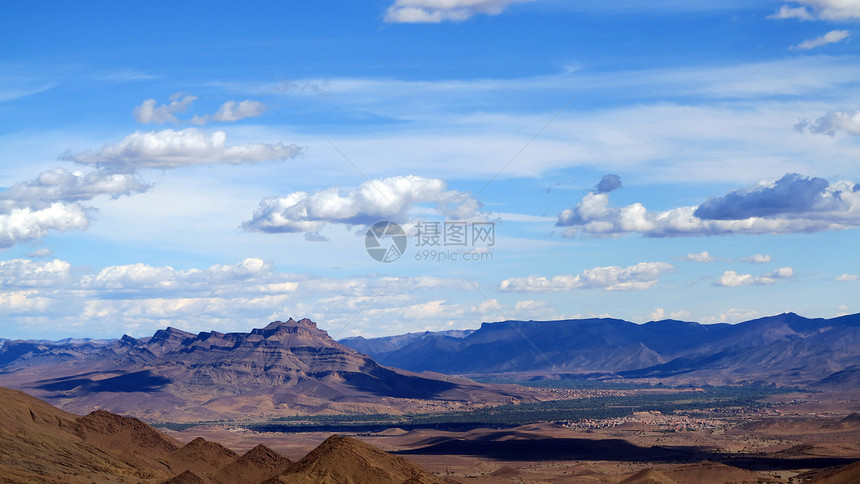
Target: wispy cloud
pixel 610 278
pixel 172 149
pixel 232 111
pixel 819 10
pixel 832 37
pixel 757 259
pixel 435 11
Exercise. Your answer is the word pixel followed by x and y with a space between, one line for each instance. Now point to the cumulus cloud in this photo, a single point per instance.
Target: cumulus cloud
pixel 790 194
pixel 733 279
pixel 819 9
pixel 66 186
pixel 435 11
pixel 610 278
pixel 31 209
pixel 171 149
pixel 788 205
pixel 24 273
pixel 149 112
pixel 832 37
pixel 140 298
pixel 703 256
pixel 374 200
pixel 832 122
pixel 846 278
pixel 23 224
pixel 757 258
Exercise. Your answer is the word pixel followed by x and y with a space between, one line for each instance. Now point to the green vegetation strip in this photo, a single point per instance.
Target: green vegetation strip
pixel 714 398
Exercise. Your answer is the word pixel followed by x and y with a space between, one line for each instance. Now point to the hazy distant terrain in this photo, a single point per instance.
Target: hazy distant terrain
pixel 286 368
pixel 786 349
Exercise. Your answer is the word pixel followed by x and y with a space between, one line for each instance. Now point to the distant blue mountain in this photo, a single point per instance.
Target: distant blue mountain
pixel 786 349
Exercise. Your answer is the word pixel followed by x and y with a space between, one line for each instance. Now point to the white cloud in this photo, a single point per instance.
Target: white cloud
pixel 790 204
pixel 757 259
pixel 374 200
pixel 24 273
pixel 659 314
pixel 18 302
pixel 141 276
pixel 832 37
pixel 611 278
pixel 820 9
pixel 435 11
pixel 64 186
pixel 148 112
pixel 733 315
pixel 846 277
pixel 232 111
pixel 700 257
pixel 832 122
pixel 786 12
pixel 733 279
pixel 43 252
pixel 23 224
pixel 171 149
pixel 29 210
pixel 529 305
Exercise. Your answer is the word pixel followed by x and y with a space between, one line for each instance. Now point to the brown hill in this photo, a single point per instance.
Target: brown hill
pixel 849 474
pixel 130 440
pixel 713 473
pixel 39 443
pixel 186 477
pixel 201 457
pixel 286 368
pixel 127 433
pixel 345 460
pixel 648 476
pixel 256 465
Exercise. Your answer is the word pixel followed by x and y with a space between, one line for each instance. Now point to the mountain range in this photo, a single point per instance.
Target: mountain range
pixel 785 349
pixel 286 368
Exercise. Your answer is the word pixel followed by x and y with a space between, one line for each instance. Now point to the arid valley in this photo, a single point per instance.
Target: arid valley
pixel 211 398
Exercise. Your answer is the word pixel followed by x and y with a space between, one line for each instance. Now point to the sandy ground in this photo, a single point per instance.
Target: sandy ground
pixel 805 434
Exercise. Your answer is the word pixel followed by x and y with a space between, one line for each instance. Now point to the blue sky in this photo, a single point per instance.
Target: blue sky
pixel 214 166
